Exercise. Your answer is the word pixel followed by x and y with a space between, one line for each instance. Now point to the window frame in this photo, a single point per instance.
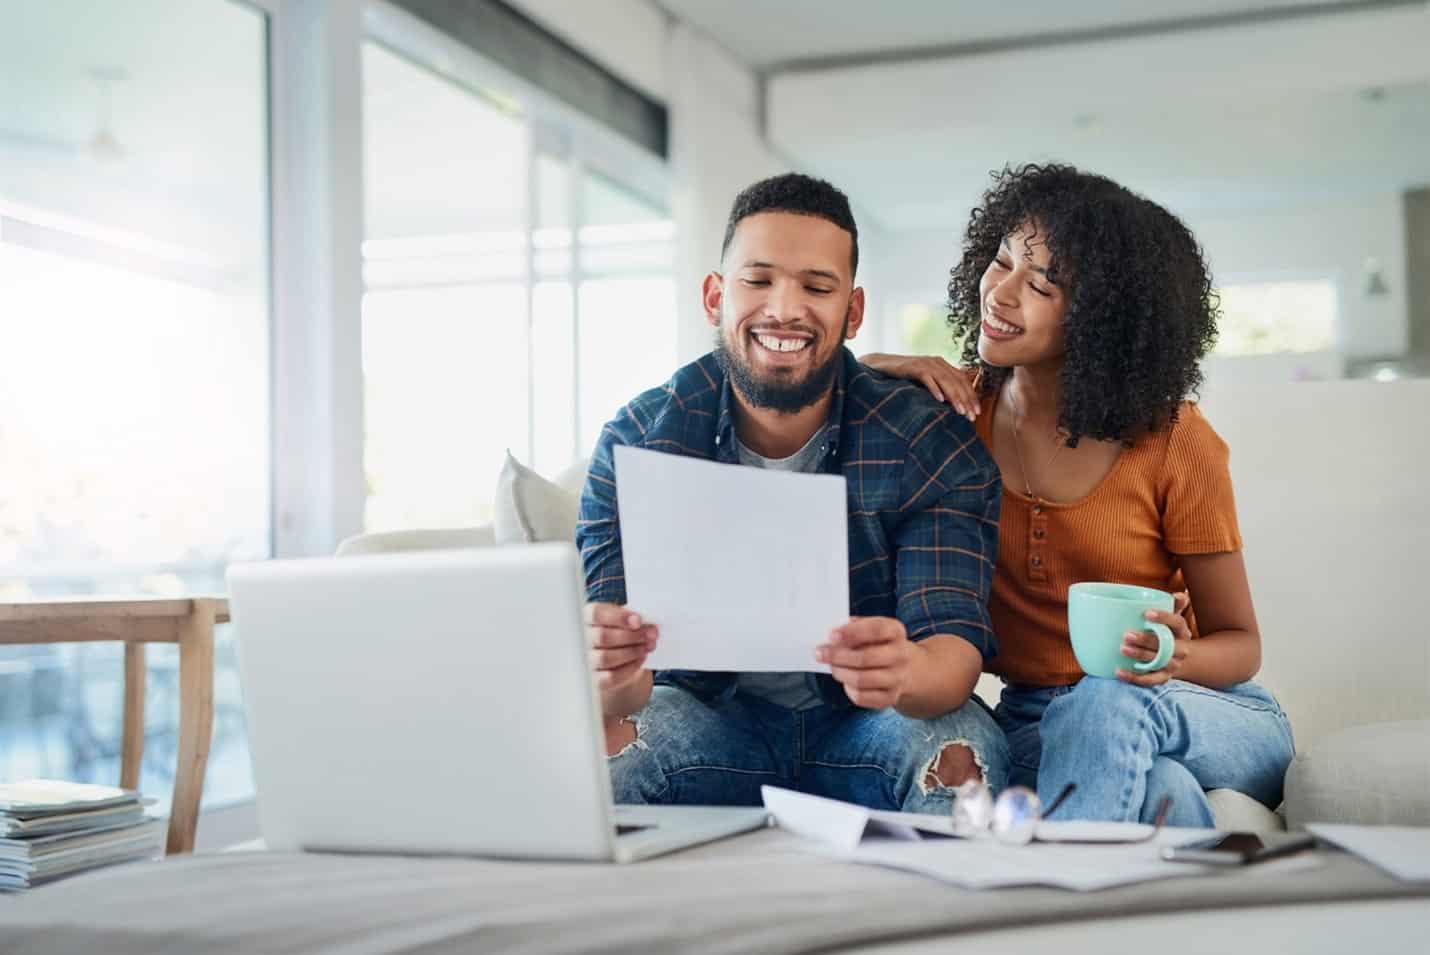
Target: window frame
pixel 555 130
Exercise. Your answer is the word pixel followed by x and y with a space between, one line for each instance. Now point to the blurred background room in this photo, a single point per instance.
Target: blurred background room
pixel 278 272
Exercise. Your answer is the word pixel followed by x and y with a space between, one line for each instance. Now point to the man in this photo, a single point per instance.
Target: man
pixel 895 725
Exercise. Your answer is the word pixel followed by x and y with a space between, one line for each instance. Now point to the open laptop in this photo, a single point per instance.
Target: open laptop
pixel 437 702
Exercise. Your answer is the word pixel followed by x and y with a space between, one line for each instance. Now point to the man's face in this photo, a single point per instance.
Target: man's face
pixel 783 307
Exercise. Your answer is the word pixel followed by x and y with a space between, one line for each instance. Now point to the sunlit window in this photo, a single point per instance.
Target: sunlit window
pixel 515 298
pixel 1263 318
pixel 924 330
pixel 134 373
pixel 626 301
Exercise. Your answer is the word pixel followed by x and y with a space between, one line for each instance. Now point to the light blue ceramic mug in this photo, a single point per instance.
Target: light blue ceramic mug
pixel 1099 614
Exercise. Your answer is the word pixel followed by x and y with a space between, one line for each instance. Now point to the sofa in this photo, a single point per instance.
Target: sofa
pixel 1328 478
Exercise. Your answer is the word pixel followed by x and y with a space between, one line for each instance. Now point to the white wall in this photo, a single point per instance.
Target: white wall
pixel 716 149
pixel 1330 496
pixel 1220 372
pixel 1323 241
pixel 913 265
pixel 902 268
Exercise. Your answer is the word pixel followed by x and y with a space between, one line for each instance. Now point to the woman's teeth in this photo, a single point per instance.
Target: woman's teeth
pixel 782 344
pixel 1003 327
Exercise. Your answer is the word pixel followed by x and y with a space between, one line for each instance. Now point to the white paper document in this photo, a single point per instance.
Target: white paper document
pixel 926 845
pixel 741 568
pixel 988 864
pixel 843 826
pixel 1402 851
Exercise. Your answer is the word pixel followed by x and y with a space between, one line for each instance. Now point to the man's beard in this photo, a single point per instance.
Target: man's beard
pixel 772 393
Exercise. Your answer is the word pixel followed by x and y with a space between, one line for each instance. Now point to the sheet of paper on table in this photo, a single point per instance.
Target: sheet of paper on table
pixel 743 569
pixel 927 846
pixel 1402 851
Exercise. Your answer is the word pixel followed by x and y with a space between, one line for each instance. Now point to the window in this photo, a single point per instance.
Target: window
pixel 134 310
pixel 515 297
pixel 444 314
pixel 626 302
pixel 924 330
pixel 1263 318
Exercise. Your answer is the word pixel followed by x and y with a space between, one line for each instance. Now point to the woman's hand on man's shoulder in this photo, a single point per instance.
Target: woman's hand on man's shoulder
pixel 945 381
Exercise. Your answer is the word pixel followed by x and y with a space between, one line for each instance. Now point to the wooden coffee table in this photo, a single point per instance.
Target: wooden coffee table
pixel 186 621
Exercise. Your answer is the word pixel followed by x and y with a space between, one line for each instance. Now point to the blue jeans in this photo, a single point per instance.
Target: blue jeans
pixel 1127 746
pixel 688 751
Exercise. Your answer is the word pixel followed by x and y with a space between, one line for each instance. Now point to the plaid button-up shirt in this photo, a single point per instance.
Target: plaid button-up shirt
pixel 923 494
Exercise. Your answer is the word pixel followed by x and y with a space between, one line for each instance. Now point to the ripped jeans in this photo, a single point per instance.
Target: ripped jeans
pixel 692 752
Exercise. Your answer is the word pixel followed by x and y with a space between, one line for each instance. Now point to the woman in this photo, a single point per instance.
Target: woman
pixel 1084 311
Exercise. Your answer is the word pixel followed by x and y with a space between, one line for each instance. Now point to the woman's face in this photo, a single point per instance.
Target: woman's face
pixel 1021 311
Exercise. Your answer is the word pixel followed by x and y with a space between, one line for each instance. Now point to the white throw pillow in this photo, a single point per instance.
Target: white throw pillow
pixel 530 508
pixel 573 479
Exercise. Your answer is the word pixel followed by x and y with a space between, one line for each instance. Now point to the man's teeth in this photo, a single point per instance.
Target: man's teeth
pixel 782 344
pixel 1003 327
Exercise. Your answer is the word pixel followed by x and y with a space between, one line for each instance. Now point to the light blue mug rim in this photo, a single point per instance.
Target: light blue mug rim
pixel 1121 593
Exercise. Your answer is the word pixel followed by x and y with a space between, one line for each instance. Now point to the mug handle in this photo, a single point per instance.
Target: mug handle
pixel 1165 644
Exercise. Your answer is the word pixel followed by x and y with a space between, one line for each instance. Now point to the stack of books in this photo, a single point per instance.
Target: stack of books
pixel 50 829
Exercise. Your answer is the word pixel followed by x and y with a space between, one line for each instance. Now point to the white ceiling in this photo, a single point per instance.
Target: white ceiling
pixel 1200 157
pixel 1220 120
pixel 765 34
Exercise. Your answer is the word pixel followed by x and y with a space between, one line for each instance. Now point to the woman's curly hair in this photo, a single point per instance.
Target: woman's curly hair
pixel 1141 312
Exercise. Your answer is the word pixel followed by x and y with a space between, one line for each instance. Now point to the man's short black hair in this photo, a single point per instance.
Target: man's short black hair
pixel 803 195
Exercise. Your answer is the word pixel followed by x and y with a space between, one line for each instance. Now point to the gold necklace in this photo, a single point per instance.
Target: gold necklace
pixel 1018 447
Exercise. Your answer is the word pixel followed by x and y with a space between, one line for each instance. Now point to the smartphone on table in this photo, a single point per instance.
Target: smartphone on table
pixel 1240 848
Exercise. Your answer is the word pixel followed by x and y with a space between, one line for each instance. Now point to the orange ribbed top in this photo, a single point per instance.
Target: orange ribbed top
pixel 1169 494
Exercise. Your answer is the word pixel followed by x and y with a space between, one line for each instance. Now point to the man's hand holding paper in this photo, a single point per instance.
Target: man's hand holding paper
pixel 872 657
